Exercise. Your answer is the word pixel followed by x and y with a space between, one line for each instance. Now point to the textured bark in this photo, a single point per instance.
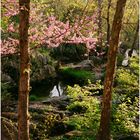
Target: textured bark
pixel 24 82
pixel 104 130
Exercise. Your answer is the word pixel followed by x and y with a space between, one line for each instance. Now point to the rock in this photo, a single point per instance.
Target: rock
pixel 60 102
pixel 86 62
pixel 73 133
pixel 61 128
pixel 125 62
pixel 85 65
pixel 131 137
pixel 41 67
pixel 56 99
pixel 6 78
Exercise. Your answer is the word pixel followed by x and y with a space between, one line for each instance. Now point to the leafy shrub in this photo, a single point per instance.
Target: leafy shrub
pixel 134 65
pixel 124 117
pixel 125 100
pixel 73 52
pixel 78 107
pixel 5 92
pixel 76 92
pixel 88 119
pixel 33 98
pixel 127 82
pixel 120 59
pixel 44 127
pixel 76 76
pixel 96 88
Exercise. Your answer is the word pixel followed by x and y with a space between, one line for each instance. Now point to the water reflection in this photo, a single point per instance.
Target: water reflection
pixel 57 90
pixel 48 89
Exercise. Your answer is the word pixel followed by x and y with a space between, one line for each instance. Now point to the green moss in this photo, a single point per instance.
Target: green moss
pixel 76 76
pixel 33 98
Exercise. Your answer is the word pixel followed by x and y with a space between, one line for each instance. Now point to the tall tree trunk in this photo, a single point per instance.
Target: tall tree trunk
pixel 24 82
pixel 104 130
pixel 135 39
pixel 100 23
pixel 108 21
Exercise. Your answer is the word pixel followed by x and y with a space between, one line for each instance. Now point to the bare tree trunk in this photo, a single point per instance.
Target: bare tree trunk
pixel 104 130
pixel 24 82
pixel 108 21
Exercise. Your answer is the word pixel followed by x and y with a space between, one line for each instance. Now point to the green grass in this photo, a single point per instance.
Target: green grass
pixel 76 76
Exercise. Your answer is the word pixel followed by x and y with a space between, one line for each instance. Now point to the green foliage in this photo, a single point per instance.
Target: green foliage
pixel 6 97
pixel 125 77
pixel 96 88
pixel 4 23
pixel 76 92
pixel 76 76
pixel 78 107
pixel 5 94
pixel 125 100
pixel 44 127
pixel 70 52
pixel 124 118
pixel 127 82
pixel 134 65
pixel 33 98
pixel 120 58
pixel 14 19
pixel 88 119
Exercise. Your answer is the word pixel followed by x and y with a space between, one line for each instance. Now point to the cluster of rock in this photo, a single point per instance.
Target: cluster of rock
pixel 40 68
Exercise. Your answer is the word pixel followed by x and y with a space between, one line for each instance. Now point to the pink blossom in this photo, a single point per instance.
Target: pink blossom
pixel 11 28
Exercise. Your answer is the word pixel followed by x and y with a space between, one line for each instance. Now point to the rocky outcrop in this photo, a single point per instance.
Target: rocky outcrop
pixel 125 61
pixel 41 67
pixel 83 65
pixel 6 78
pixel 59 102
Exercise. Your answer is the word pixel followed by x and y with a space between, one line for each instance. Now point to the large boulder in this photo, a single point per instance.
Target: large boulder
pixel 41 67
pixel 60 102
pixel 6 78
pixel 83 65
pixel 125 61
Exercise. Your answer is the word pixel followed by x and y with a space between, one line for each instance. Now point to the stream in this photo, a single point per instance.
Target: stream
pixel 48 89
pixel 57 90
